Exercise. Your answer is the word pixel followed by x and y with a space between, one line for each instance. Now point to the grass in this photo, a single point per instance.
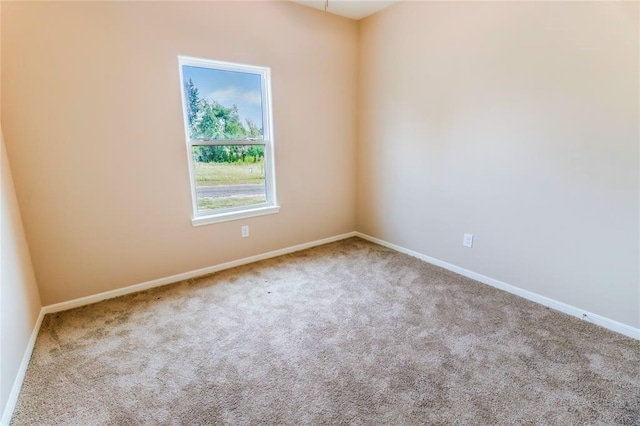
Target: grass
pixel 229 174
pixel 212 174
pixel 210 203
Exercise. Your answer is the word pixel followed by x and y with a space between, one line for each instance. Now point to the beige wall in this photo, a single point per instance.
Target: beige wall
pixel 93 127
pixel 19 298
pixel 517 122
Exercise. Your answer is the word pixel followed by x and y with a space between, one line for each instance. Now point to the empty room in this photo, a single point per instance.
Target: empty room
pixel 320 212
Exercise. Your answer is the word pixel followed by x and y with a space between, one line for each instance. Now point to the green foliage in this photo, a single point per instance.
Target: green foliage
pixel 228 153
pixel 193 99
pixel 209 120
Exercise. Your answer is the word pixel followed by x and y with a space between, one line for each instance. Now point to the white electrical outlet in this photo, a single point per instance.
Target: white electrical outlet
pixel 244 230
pixel 468 240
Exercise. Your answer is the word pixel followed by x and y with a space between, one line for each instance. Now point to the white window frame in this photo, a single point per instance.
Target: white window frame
pixel 234 213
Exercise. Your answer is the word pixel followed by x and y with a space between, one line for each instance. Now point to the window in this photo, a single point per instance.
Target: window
pixel 227 120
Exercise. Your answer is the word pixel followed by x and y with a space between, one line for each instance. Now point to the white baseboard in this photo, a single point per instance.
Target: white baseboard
pixel 63 306
pixel 605 322
pixel 75 303
pixel 534 297
pixel 22 370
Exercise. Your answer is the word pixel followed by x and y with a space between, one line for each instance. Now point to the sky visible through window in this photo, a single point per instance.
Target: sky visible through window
pixel 229 88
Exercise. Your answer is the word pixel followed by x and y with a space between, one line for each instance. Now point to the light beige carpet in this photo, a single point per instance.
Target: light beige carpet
pixel 347 333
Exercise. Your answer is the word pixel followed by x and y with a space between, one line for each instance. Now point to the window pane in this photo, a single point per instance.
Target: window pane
pixel 222 105
pixel 229 176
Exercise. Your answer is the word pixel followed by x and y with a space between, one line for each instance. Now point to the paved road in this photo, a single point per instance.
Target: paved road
pixel 228 190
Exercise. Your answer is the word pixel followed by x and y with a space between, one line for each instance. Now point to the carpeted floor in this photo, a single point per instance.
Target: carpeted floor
pixel 347 333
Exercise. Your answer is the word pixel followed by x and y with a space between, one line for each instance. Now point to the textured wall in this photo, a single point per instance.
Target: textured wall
pixel 19 298
pixel 517 122
pixel 93 127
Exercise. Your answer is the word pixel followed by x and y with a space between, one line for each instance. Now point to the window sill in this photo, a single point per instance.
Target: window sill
pixel 226 217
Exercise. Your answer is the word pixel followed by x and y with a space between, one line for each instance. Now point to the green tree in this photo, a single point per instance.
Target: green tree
pixel 256 151
pixel 193 100
pixel 210 120
pixel 253 131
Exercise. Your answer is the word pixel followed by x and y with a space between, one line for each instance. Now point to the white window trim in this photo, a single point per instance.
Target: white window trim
pixel 224 215
pixel 260 210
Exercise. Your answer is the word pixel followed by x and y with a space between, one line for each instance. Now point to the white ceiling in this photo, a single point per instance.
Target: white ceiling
pixel 354 9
